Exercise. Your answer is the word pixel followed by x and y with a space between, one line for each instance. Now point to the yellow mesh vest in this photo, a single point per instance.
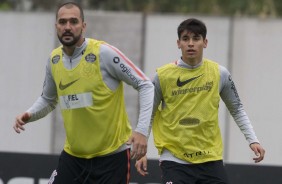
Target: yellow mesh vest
pixel 94 116
pixel 188 125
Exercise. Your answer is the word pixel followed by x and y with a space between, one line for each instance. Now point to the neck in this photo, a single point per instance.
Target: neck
pixel 192 61
pixel 69 50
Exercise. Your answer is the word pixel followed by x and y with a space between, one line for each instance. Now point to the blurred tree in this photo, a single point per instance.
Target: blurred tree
pixel 46 5
pixel 5 5
pixel 261 8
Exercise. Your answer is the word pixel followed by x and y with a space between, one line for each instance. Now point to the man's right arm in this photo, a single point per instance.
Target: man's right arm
pixel 158 96
pixel 48 99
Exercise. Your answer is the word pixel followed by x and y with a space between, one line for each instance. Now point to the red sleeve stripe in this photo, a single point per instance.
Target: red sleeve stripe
pixel 128 62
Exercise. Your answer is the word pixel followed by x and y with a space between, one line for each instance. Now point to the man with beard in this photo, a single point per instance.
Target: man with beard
pixel 85 76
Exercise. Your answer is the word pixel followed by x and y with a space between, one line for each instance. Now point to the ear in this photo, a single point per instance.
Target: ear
pixel 205 43
pixel 178 44
pixel 83 27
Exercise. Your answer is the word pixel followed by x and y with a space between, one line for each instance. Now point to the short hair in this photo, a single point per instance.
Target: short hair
pixel 192 25
pixel 69 5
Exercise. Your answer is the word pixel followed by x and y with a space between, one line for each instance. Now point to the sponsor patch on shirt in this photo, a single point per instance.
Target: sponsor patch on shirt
pixel 74 101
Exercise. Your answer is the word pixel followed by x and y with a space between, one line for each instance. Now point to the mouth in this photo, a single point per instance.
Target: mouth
pixel 191 51
pixel 67 36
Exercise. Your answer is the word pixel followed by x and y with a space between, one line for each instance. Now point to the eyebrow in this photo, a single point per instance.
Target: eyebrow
pixel 68 18
pixel 195 35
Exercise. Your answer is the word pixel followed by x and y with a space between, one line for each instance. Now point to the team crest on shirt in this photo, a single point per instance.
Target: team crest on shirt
pixel 56 59
pixel 90 58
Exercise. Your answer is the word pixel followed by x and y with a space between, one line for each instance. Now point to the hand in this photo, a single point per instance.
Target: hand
pixel 139 145
pixel 21 121
pixel 141 166
pixel 259 152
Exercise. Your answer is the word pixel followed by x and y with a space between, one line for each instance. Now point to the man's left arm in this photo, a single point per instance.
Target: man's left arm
pixel 230 96
pixel 123 69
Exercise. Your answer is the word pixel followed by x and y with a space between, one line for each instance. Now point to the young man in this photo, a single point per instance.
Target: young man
pixel 85 77
pixel 185 113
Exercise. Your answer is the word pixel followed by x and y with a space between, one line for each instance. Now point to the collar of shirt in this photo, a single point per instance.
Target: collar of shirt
pixel 181 63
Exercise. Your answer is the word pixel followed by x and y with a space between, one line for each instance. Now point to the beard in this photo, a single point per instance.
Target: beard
pixel 70 42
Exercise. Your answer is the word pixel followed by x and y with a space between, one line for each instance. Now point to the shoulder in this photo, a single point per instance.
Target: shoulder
pixel 223 71
pixel 55 55
pixel 210 62
pixel 106 48
pixel 167 66
pixel 57 50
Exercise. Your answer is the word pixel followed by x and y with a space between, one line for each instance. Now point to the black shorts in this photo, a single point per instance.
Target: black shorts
pixel 111 169
pixel 204 173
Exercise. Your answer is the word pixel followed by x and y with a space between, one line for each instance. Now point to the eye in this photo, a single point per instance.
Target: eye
pixel 62 21
pixel 184 38
pixel 197 38
pixel 74 21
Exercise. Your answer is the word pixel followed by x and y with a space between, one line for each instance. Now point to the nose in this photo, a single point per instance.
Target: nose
pixel 190 42
pixel 68 26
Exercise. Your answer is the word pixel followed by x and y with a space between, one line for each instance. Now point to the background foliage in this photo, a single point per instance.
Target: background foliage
pixel 260 8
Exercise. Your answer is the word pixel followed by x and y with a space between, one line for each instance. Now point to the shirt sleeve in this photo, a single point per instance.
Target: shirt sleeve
pixel 230 97
pixel 48 99
pixel 158 99
pixel 119 68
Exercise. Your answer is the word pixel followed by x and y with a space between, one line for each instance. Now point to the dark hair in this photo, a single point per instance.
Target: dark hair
pixel 69 5
pixel 192 25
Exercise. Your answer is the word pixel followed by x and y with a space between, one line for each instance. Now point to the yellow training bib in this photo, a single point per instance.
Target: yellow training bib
pixel 188 125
